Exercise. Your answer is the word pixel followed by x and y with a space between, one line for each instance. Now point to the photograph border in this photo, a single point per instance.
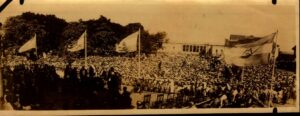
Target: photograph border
pixel 181 111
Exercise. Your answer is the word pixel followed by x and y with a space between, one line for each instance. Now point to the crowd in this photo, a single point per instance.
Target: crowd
pixel 39 87
pixel 99 86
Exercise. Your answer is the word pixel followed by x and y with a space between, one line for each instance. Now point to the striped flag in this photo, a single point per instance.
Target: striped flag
pixel 250 52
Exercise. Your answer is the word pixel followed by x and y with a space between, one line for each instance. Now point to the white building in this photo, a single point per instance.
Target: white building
pixel 187 48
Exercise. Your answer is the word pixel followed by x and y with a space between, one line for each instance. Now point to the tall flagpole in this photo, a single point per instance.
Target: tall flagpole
pixel 242 75
pixel 139 64
pixel 36 46
pixel 85 49
pixel 273 70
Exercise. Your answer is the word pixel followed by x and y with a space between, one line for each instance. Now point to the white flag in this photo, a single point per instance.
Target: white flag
pixel 79 45
pixel 31 44
pixel 128 44
pixel 250 53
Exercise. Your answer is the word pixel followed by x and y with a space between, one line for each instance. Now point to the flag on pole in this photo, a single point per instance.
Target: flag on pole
pixel 128 44
pixel 260 41
pixel 251 53
pixel 79 45
pixel 31 44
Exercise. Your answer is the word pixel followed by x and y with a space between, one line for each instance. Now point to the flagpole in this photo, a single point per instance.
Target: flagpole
pixel 85 49
pixel 273 68
pixel 139 64
pixel 242 75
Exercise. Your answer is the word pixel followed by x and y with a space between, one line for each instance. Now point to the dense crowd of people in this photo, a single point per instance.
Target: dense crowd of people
pixel 38 87
pixel 207 82
pixel 254 90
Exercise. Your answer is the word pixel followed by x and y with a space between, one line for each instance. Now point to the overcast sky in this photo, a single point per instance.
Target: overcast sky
pixel 199 21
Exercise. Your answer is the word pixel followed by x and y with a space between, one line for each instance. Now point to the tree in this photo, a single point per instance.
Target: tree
pixel 54 34
pixel 152 42
pixel 70 34
pixel 21 28
pixel 102 35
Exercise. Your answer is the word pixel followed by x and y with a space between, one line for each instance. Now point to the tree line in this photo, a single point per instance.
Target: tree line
pixel 54 35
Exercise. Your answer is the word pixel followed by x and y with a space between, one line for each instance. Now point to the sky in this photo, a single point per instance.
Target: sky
pixel 184 21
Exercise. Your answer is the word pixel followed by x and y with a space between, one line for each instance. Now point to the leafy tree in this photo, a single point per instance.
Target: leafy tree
pixel 70 34
pixel 56 35
pixel 21 28
pixel 152 42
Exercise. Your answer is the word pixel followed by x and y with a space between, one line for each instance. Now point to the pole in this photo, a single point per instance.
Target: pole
pixel 273 70
pixel 36 53
pixel 139 64
pixel 189 63
pixel 85 49
pixel 242 75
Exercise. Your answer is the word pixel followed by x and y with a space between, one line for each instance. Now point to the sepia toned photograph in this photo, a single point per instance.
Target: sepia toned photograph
pixel 149 56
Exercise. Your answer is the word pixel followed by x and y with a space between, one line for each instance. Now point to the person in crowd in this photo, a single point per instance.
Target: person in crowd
pixel 91 72
pixel 126 99
pixel 83 73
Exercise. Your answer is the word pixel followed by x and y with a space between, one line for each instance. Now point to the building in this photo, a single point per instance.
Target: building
pixel 188 48
pixel 287 60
